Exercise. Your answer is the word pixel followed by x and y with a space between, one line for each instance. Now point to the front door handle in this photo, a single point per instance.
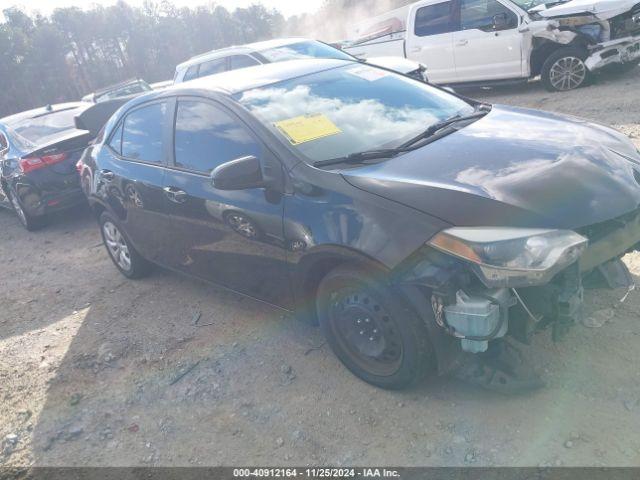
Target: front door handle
pixel 462 43
pixel 175 194
pixel 107 175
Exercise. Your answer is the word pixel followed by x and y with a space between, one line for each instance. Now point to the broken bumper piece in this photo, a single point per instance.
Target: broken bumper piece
pixel 623 50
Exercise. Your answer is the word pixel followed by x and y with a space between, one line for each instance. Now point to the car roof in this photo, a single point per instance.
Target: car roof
pixel 234 81
pixel 240 49
pixel 36 112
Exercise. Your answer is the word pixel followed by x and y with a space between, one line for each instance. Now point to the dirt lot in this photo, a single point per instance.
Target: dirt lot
pixel 99 370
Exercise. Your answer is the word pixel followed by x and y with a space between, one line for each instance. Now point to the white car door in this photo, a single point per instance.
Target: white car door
pixel 488 45
pixel 429 38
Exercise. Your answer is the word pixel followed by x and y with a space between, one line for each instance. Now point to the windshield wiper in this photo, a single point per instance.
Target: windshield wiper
pixel 359 157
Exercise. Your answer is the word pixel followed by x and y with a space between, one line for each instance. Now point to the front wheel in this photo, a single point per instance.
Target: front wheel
pixel 122 253
pixel 371 330
pixel 565 70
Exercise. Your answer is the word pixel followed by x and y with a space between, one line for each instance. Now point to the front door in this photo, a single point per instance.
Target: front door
pixel 233 238
pixel 488 45
pixel 430 38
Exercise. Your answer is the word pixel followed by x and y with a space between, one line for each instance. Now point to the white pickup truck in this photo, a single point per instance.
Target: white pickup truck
pixel 483 41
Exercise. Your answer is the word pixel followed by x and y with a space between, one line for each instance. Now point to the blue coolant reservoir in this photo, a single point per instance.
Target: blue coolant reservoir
pixel 480 316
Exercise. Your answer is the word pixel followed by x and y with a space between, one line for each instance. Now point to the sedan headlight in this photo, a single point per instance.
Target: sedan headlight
pixel 512 257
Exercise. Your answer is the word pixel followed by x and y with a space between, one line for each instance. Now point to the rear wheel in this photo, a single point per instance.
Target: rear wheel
pixel 565 70
pixel 371 330
pixel 124 256
pixel 29 222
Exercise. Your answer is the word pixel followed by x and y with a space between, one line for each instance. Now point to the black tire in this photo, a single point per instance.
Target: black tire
pixel 568 59
pixel 30 222
pixel 136 266
pixel 395 351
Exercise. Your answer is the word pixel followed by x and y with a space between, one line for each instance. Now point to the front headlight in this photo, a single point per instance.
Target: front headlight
pixel 512 257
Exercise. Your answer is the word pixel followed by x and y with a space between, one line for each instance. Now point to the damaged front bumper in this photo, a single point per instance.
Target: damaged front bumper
pixel 623 50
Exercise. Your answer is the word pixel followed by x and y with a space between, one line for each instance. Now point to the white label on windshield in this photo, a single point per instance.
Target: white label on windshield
pixel 368 73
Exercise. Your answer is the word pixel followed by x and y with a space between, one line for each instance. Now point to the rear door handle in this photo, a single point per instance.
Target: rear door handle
pixel 175 194
pixel 107 175
pixel 462 43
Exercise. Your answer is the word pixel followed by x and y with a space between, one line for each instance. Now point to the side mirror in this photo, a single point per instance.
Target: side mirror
pixel 239 174
pixel 500 21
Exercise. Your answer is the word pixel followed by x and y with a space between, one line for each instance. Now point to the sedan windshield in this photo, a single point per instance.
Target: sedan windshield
pixel 355 108
pixel 310 49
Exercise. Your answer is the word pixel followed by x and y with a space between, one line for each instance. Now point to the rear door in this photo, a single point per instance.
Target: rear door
pixel 488 46
pixel 131 172
pixel 430 38
pixel 233 238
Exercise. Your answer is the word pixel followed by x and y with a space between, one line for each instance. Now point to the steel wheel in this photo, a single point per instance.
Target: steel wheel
pixel 567 73
pixel 242 225
pixel 366 331
pixel 117 246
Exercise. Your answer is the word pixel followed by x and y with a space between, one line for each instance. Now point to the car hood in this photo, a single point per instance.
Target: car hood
pixel 514 167
pixel 602 9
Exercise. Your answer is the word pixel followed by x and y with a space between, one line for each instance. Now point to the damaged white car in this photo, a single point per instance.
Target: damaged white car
pixel 486 41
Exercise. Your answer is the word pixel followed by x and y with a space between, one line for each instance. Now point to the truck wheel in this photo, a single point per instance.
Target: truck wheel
pixel 372 330
pixel 124 256
pixel 565 70
pixel 29 222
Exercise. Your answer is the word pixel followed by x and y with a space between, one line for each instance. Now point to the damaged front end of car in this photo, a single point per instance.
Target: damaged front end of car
pixel 484 285
pixel 608 35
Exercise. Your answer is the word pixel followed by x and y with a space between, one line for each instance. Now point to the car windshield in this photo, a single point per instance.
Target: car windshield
pixel 334 113
pixel 300 50
pixel 37 128
pixel 130 89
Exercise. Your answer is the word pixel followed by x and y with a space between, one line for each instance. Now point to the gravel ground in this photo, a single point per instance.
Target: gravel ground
pixel 98 370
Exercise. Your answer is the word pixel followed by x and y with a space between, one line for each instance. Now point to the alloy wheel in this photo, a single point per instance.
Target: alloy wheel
pixel 117 246
pixel 567 73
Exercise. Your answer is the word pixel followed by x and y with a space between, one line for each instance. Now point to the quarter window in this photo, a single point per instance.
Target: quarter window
pixel 212 67
pixel 435 19
pixel 207 136
pixel 481 15
pixel 242 61
pixel 116 139
pixel 142 135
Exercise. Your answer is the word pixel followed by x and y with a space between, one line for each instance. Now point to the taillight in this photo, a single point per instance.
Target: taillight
pixel 79 166
pixel 29 164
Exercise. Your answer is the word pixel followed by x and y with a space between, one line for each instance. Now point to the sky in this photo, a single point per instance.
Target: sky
pixel 286 7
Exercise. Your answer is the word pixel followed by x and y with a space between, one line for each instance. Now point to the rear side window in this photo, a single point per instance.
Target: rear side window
pixel 212 67
pixel 191 73
pixel 116 139
pixel 207 136
pixel 242 61
pixel 143 132
pixel 435 19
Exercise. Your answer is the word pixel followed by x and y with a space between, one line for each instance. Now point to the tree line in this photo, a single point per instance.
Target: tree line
pixel 73 51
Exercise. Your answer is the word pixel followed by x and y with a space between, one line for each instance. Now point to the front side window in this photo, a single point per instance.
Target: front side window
pixel 435 19
pixel 207 136
pixel 242 61
pixel 485 15
pixel 191 73
pixel 348 109
pixel 309 49
pixel 143 133
pixel 212 67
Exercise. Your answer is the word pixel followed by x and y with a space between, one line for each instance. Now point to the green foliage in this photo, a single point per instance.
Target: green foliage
pixel 74 51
